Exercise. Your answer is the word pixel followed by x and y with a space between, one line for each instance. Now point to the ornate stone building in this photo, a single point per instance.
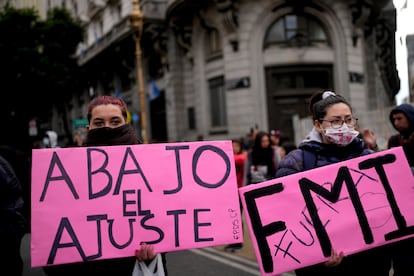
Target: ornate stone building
pixel 223 66
pixel 235 64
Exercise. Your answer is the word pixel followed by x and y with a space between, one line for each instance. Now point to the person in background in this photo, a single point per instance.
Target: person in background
pixel 402 119
pixel 12 220
pixel 78 139
pixel 334 139
pixel 275 139
pixel 49 140
pixel 287 147
pixel 239 162
pixel 261 161
pixel 250 137
pixel 20 163
pixel 370 138
pixel 108 126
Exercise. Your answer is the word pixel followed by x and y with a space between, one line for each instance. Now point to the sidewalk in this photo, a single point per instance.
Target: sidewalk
pixel 247 251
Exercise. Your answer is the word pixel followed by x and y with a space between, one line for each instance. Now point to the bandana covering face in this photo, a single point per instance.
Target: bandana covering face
pixel 106 136
pixel 342 136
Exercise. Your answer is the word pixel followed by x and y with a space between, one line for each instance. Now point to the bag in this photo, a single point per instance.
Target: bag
pixel 258 173
pixel 155 268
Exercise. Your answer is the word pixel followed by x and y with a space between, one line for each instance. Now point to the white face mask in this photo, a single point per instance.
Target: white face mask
pixel 342 136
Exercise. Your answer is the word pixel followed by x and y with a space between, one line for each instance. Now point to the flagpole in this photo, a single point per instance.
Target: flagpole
pixel 136 19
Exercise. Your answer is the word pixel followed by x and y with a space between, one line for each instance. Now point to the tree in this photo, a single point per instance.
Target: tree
pixel 38 68
pixel 60 38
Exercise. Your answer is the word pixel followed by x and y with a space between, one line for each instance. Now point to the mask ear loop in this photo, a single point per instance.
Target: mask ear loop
pixel 318 126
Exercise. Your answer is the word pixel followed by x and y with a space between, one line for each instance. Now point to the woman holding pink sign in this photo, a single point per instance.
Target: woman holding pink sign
pixel 333 139
pixel 108 126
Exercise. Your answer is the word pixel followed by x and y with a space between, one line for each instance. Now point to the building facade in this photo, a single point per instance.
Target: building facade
pixel 221 67
pixel 238 64
pixel 410 65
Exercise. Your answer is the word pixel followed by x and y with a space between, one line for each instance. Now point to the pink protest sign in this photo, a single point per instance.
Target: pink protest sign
pixel 296 220
pixel 101 202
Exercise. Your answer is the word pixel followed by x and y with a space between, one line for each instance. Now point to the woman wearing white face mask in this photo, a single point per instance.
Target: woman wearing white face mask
pixel 333 139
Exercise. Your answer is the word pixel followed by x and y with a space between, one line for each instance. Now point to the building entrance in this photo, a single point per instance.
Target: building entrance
pixel 288 91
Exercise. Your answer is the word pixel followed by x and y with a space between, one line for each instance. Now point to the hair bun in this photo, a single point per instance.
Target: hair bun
pixel 327 94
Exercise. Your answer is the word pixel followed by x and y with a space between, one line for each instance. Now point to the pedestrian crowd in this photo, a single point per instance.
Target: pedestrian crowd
pixel 259 156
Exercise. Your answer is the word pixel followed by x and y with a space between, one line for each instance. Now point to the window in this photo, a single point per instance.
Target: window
pixel 217 102
pixel 299 77
pixel 116 11
pixel 75 7
pixel 214 44
pixel 296 30
pixel 191 118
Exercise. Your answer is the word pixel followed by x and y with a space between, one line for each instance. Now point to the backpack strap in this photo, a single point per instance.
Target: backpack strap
pixel 309 159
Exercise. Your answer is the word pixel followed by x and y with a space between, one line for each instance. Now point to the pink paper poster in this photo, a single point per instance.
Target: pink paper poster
pixel 296 220
pixel 101 202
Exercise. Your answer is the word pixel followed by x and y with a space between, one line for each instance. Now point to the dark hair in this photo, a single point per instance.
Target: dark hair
pixel 318 105
pixel 238 141
pixel 103 100
pixel 289 146
pixel 263 156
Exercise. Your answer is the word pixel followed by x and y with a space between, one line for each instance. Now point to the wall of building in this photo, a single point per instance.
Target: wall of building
pixel 187 65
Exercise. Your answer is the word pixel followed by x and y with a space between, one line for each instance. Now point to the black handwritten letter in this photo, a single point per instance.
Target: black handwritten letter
pixel 65 224
pixel 176 213
pixel 98 219
pixel 138 170
pixel 111 234
pixel 378 163
pixel 197 225
pixel 261 232
pixel 101 169
pixel 126 202
pixel 306 186
pixel 64 176
pixel 153 228
pixel 222 154
pixel 177 149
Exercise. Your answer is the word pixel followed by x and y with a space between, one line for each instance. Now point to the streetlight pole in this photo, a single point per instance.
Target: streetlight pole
pixel 136 20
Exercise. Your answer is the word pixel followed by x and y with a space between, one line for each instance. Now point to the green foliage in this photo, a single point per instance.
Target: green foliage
pixel 38 67
pixel 60 37
pixel 18 48
pixel 38 64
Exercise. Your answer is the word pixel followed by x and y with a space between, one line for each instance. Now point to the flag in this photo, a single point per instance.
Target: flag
pixel 117 93
pixel 155 92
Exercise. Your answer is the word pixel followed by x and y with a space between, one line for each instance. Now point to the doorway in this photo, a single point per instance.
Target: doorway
pixel 288 91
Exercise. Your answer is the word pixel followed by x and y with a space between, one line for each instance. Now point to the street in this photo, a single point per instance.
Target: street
pixel 205 262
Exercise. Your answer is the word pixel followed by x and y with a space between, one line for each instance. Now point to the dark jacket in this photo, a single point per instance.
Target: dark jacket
pixel 402 251
pixel 11 201
pixel 406 138
pixel 12 221
pixel 371 262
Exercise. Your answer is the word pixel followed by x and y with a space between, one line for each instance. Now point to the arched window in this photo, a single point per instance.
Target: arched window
pixel 296 31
